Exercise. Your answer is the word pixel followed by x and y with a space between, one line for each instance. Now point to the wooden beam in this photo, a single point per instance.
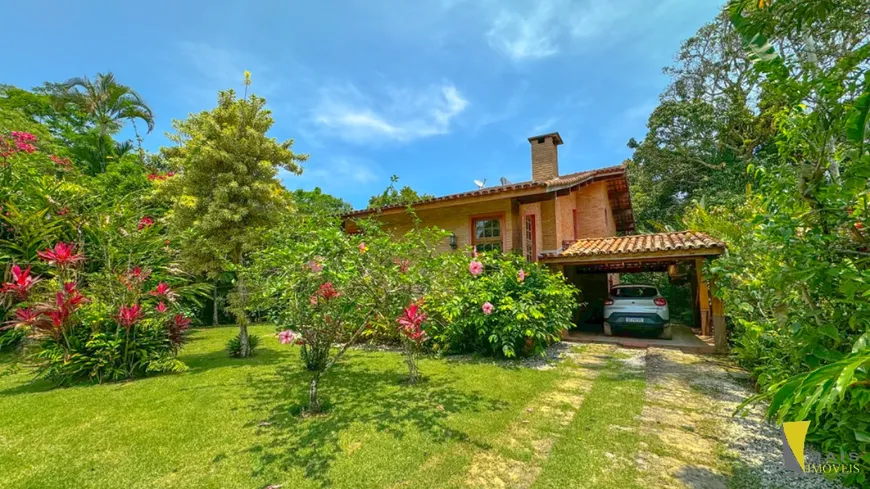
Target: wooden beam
pixel 720 338
pixel 703 299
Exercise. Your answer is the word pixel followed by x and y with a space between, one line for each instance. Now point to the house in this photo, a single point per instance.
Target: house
pixel 580 223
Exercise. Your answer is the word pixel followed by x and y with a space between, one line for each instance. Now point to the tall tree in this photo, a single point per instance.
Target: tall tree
pixel 316 202
pixel 392 196
pixel 226 194
pixel 107 103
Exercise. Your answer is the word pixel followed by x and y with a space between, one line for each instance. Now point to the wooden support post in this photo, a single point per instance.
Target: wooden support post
pixel 703 299
pixel 693 290
pixel 720 338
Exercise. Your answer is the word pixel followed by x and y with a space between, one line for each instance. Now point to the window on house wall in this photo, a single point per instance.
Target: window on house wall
pixel 529 251
pixel 487 234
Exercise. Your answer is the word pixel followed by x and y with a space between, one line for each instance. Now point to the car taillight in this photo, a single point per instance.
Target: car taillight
pixel 660 301
pixel 608 302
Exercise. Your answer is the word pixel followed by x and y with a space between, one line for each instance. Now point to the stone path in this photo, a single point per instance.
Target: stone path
pixel 693 441
pixel 526 444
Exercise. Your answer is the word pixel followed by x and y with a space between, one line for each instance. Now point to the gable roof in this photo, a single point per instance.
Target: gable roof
pixel 558 183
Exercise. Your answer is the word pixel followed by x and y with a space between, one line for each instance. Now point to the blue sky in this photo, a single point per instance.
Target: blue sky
pixel 439 92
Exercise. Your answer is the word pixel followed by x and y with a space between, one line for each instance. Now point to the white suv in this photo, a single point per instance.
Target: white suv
pixel 638 307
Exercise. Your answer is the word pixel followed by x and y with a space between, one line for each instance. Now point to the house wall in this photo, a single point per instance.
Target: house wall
pixel 566 205
pixel 594 215
pixel 554 219
pixel 457 220
pixel 525 210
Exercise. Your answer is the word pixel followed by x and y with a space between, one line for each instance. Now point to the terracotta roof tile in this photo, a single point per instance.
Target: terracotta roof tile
pixel 553 184
pixel 639 243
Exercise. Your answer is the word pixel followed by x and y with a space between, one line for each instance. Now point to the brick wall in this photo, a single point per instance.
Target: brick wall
pixel 545 159
pixel 457 219
pixel 549 226
pixel 525 210
pixel 594 216
pixel 565 205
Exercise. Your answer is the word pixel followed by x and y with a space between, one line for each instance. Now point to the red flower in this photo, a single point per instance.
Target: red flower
pixel 326 292
pixel 63 211
pixel 163 290
pixel 134 277
pixel 153 176
pixel 25 316
pixel 403 264
pixel 176 328
pixel 23 137
pixel 62 255
pixel 411 321
pixel 180 321
pixel 161 307
pixel 70 299
pixel 58 317
pixel 145 222
pixel 128 316
pixel 64 162
pixel 21 283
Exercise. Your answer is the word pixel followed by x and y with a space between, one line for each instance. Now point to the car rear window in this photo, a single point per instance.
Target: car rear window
pixel 633 292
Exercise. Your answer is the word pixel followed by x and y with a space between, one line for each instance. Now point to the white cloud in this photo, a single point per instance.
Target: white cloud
pixel 396 114
pixel 528 31
pixel 521 35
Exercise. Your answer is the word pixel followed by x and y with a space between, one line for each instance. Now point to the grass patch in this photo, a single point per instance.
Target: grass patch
pixel 234 422
pixel 598 448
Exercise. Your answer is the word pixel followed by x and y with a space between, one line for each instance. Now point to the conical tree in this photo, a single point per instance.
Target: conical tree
pixel 226 193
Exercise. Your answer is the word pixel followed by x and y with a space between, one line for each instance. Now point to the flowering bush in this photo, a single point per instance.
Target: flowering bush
pixel 323 287
pixel 78 337
pixel 497 303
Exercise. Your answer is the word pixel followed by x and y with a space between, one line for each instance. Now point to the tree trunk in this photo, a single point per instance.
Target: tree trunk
pixel 411 359
pixel 313 403
pixel 242 318
pixel 214 314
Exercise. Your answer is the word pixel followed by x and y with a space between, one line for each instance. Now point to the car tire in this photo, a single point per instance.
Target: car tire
pixel 607 330
pixel 666 333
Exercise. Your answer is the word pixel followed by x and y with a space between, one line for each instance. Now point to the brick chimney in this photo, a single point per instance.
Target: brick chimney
pixel 545 156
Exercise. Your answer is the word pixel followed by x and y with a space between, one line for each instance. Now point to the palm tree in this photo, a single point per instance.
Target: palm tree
pixel 107 102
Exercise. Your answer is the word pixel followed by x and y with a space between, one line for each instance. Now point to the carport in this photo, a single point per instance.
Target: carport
pixel 659 252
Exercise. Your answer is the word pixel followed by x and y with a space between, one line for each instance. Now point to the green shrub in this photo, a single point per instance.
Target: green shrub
pixel 234 346
pixel 11 339
pixel 511 307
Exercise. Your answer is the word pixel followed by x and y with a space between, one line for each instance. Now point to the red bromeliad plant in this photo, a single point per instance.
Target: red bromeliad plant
pixel 77 341
pixel 411 327
pixel 129 316
pixel 62 255
pixel 21 283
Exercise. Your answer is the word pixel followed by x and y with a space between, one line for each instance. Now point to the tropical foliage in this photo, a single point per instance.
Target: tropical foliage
pixel 761 139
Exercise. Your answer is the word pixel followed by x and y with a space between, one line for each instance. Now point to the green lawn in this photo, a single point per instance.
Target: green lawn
pixel 235 423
